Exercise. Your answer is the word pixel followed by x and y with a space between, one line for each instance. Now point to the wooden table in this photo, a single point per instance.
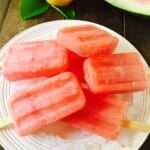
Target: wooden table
pixel 134 28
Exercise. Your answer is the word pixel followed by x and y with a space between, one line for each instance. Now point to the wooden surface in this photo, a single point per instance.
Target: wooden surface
pixel 134 28
pixel 3 10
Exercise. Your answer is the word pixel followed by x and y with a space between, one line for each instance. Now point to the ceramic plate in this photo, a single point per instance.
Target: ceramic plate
pixel 60 136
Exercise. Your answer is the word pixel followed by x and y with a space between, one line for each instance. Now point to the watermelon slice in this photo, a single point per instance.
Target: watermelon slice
pixel 115 73
pixel 102 115
pixel 34 59
pixel 86 40
pixel 141 7
pixel 50 100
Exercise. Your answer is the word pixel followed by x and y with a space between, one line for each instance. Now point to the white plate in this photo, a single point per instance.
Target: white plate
pixel 59 136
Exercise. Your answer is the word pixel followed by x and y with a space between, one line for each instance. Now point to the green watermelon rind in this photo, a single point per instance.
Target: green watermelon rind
pixel 131 6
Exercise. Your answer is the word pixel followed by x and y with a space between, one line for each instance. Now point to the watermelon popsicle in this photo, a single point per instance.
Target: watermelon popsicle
pixel 115 73
pixel 34 59
pixel 87 40
pixel 102 115
pixel 50 100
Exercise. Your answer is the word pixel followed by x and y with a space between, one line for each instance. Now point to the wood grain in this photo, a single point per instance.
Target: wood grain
pixel 138 33
pixel 14 24
pixel 3 10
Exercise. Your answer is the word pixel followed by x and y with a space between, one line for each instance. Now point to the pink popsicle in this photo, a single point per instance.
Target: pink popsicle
pixel 115 73
pixel 87 40
pixel 54 98
pixel 34 59
pixel 102 115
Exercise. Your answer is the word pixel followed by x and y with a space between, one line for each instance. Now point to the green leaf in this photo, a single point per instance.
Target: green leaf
pixel 67 11
pixel 32 8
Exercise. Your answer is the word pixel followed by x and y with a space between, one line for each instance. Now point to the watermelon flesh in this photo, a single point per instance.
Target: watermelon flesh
pixel 86 40
pixel 34 59
pixel 76 65
pixel 36 107
pixel 141 7
pixel 102 115
pixel 143 1
pixel 115 73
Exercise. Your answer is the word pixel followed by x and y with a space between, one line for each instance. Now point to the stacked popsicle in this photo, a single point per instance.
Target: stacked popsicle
pixel 80 55
pixel 87 40
pixel 115 73
pixel 34 59
pixel 102 114
pixel 48 101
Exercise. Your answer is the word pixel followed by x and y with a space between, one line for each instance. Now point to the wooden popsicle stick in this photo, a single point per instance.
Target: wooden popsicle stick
pixel 133 125
pixel 137 126
pixel 4 122
pixel 148 71
pixel 1 64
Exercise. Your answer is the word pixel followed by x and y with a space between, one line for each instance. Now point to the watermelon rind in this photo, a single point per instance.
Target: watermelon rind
pixel 132 6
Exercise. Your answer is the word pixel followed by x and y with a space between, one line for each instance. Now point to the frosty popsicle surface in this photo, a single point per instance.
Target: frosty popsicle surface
pixel 34 59
pixel 102 115
pixel 115 73
pixel 50 100
pixel 87 40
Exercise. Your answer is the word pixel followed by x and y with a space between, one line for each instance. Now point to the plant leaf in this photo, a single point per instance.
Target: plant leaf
pixel 32 8
pixel 67 11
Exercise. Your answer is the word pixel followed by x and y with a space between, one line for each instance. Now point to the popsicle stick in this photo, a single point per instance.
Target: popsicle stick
pixel 4 122
pixel 137 126
pixel 148 71
pixel 133 125
pixel 1 64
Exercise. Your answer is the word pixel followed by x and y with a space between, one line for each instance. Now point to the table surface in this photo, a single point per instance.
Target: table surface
pixel 135 29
